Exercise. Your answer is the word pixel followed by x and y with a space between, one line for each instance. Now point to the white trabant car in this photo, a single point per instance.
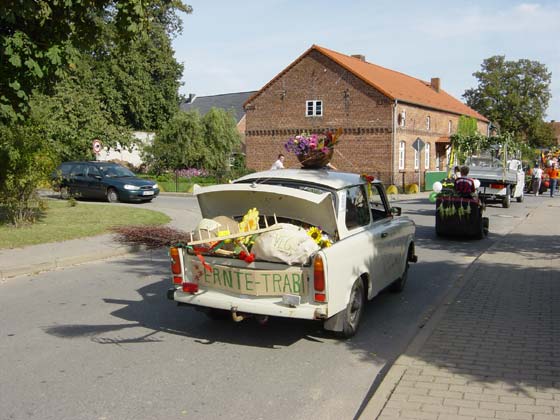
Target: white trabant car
pixel 367 249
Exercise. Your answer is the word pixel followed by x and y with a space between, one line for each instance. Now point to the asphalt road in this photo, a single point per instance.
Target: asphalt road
pixel 100 341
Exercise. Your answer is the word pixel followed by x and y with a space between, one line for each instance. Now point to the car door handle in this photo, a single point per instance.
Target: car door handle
pixel 384 234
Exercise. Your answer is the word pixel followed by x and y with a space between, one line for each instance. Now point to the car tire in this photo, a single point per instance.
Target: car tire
pixel 439 229
pixel 507 199
pixel 112 195
pixel 398 285
pixel 354 310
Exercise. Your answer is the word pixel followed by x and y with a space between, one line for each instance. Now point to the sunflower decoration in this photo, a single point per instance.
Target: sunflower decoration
pixel 319 237
pixel 315 233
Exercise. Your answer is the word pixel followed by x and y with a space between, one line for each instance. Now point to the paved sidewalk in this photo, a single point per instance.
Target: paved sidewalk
pixel 492 350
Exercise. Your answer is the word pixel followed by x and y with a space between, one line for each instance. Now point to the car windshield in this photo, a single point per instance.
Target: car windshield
pixel 115 171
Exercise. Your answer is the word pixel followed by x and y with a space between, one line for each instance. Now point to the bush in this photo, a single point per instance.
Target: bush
pixel 25 161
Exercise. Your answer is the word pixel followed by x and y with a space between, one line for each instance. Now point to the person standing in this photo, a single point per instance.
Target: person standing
pixel 279 164
pixel 537 179
pixel 553 175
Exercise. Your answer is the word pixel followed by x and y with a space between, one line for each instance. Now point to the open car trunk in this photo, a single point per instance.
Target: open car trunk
pixel 289 205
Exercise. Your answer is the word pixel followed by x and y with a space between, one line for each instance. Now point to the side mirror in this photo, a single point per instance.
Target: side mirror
pixel 396 211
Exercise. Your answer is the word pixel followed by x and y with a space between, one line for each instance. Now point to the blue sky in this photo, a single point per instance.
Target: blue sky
pixel 231 46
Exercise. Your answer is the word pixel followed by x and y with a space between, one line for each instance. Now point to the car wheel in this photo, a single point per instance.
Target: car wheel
pixel 354 309
pixel 439 229
pixel 479 229
pixel 64 193
pixel 507 199
pixel 398 285
pixel 112 195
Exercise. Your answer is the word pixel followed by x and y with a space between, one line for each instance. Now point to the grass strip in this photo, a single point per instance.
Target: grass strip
pixel 62 222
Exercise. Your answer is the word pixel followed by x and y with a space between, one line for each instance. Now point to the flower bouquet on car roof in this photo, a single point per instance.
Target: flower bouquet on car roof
pixel 313 150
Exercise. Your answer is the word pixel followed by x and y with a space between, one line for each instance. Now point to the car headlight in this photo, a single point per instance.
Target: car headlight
pixel 130 187
pixel 155 186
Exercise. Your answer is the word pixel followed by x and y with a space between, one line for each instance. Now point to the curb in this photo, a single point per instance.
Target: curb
pixel 385 390
pixel 63 262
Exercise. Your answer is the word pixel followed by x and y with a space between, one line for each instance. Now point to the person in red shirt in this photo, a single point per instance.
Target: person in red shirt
pixel 553 176
pixel 464 185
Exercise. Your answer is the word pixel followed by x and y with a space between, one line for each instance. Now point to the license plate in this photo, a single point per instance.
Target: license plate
pixel 147 193
pixel 249 281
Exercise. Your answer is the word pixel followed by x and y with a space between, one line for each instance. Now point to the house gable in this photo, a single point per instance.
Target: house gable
pixel 394 85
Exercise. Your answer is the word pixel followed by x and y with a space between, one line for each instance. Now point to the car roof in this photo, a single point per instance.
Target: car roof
pixel 328 178
pixel 93 162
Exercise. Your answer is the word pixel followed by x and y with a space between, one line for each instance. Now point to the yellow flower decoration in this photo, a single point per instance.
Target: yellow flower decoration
pixel 325 243
pixel 315 234
pixel 250 221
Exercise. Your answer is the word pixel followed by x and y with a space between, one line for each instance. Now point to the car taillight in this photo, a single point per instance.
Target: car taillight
pixel 190 288
pixel 176 265
pixel 319 279
pixel 497 186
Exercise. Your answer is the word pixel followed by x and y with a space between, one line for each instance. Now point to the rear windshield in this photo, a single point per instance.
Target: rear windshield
pixel 312 188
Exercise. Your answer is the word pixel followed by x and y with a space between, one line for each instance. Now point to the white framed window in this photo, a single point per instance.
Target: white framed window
pixel 402 118
pixel 428 123
pixel 314 108
pixel 416 159
pixel 402 146
pixel 427 156
pixel 450 126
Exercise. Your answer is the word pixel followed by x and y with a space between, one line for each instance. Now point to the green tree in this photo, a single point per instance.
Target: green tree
pixel 52 100
pixel 179 144
pixel 41 40
pixel 221 139
pixel 72 117
pixel 191 141
pixel 514 95
pixel 139 80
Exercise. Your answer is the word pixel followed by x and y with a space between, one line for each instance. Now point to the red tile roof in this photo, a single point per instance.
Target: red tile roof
pixel 394 85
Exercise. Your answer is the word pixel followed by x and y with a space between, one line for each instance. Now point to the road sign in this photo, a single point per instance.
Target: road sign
pixel 96 146
pixel 418 144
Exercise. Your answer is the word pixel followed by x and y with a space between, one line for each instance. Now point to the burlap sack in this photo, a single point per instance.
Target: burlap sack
pixel 290 245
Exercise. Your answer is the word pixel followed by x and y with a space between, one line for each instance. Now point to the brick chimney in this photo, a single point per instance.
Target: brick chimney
pixel 359 57
pixel 434 83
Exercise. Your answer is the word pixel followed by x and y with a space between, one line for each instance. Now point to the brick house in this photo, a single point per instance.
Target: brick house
pixel 381 111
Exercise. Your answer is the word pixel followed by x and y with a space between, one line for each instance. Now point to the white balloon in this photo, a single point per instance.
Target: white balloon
pixel 476 183
pixel 437 187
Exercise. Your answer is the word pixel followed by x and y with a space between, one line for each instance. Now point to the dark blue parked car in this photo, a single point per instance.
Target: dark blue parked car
pixel 102 180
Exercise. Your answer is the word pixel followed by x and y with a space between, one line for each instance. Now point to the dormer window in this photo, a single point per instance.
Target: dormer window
pixel 314 108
